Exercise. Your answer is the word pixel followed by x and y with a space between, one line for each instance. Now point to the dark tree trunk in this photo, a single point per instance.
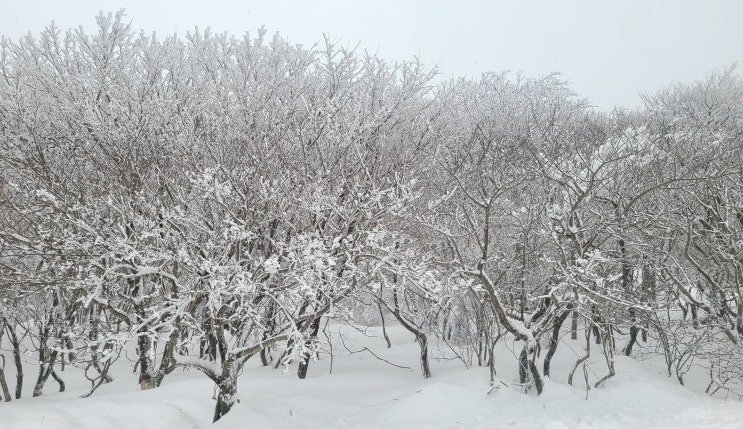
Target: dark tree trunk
pixel 284 355
pixel 554 340
pixel 221 344
pixel 420 337
pixel 146 380
pixel 609 347
pixel 574 326
pixel 538 382
pixel 167 364
pixel 423 343
pixel 3 382
pixel 226 397
pixel 583 359
pixel 527 367
pixel 384 327
pixel 264 358
pixel 491 364
pixel 633 330
pixel 594 324
pixel 45 370
pixel 59 381
pixel 265 361
pixel 305 362
pixel 523 366
pixel 17 359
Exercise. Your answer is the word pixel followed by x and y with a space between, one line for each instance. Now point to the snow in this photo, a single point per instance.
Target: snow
pixel 364 392
pixel 193 361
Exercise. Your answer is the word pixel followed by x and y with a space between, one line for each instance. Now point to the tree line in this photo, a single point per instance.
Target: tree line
pixel 207 199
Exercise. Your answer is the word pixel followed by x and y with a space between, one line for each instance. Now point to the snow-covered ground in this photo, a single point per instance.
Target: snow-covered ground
pixel 365 392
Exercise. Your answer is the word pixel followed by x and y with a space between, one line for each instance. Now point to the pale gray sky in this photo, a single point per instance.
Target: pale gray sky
pixel 608 50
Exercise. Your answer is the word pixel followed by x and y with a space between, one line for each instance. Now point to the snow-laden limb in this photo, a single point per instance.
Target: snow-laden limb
pixel 211 368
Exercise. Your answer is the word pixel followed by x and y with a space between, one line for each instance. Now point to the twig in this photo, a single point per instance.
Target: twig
pixel 373 354
pixel 330 343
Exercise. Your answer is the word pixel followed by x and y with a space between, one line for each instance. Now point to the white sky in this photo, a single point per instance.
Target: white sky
pixel 608 50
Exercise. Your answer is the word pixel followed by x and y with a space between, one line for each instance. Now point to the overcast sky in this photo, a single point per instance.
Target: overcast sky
pixel 608 50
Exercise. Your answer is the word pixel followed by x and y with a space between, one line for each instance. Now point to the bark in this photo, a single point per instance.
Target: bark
pixel 3 382
pixel 17 359
pixel 264 358
pixel 574 326
pixel 420 338
pixel 212 343
pixel 46 363
pixel 527 368
pixel 627 286
pixel 594 323
pixel 45 370
pixel 633 330
pixel 59 381
pixel 384 327
pixel 97 382
pixel 146 379
pixel 583 359
pixel 523 366
pixel 538 381
pixel 554 340
pixel 491 365
pixel 227 385
pixel 167 363
pixel 226 396
pixel 422 341
pixel 506 323
pixel 265 361
pixel 609 356
pixel 305 362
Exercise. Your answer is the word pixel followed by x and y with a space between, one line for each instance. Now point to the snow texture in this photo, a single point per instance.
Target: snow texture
pixel 364 392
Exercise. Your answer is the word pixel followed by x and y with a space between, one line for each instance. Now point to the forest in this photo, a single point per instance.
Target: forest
pixel 194 202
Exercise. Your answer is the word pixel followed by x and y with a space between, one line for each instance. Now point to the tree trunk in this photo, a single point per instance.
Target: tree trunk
pixel 45 370
pixel 554 340
pixel 608 355
pixel 264 358
pixel 574 326
pixel 523 366
pixel 265 361
pixel 633 330
pixel 146 379
pixel 528 367
pixel 3 382
pixel 59 381
pixel 538 381
pixel 225 397
pixel 420 337
pixel 305 362
pixel 491 364
pixel 167 363
pixel 384 327
pixel 583 359
pixel 17 359
pixel 422 341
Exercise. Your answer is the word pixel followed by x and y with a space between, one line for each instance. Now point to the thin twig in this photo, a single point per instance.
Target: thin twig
pixel 373 354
